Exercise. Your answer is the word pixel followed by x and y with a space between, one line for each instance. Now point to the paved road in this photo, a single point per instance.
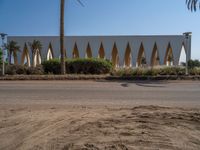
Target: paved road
pixel 181 93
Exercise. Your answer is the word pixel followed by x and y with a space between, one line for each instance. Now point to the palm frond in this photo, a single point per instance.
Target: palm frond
pixel 193 5
pixel 36 44
pixel 81 3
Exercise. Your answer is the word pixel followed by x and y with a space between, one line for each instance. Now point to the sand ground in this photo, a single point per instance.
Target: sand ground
pixel 32 122
pixel 38 127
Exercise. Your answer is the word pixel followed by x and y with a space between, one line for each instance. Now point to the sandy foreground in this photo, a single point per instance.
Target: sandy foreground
pixel 84 127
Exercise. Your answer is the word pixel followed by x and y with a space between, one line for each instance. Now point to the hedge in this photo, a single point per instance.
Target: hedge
pixel 23 70
pixel 79 66
pixel 154 71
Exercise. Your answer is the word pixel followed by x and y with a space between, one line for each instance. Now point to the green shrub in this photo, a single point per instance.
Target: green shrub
pixel 15 69
pixel 52 66
pixel 38 70
pixel 79 66
pixel 21 69
pixel 194 71
pixel 11 69
pixel 172 71
pixel 126 72
pixel 180 70
pixel 150 71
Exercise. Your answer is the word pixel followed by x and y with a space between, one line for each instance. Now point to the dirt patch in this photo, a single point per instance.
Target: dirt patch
pixel 39 127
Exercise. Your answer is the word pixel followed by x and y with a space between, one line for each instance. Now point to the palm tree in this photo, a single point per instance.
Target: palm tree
pixel 193 4
pixel 0 56
pixel 62 49
pixel 36 47
pixel 62 34
pixel 13 49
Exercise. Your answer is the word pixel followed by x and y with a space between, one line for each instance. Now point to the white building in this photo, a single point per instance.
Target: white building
pixel 123 51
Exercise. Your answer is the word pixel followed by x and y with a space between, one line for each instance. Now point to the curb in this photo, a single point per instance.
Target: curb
pixel 94 77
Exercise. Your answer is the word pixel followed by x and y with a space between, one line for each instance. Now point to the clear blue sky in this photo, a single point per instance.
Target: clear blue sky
pixel 101 17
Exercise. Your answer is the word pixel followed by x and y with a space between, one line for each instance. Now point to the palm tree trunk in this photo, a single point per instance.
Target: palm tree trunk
pixel 62 49
pixel 32 58
pixel 10 55
pixel 15 58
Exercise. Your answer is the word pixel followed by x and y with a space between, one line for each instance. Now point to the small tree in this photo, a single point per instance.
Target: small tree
pixel 13 49
pixel 193 63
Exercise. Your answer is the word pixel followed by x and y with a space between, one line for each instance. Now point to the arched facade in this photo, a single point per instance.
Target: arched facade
pixel 123 51
pixel 25 57
pixel 50 54
pixel 128 57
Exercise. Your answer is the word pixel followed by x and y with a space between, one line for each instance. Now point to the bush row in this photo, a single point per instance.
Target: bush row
pixel 78 66
pixel 154 71
pixel 23 70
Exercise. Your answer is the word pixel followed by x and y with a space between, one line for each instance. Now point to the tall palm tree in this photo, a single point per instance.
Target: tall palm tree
pixel 13 49
pixel 193 4
pixel 35 47
pixel 62 49
pixel 0 56
pixel 62 34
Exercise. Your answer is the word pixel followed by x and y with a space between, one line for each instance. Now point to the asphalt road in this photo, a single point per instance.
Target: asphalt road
pixel 178 93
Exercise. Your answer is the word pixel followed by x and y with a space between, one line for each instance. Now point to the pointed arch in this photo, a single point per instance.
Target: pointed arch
pixel 182 55
pixel 155 59
pixel 75 52
pixel 37 58
pixel 88 51
pixel 25 58
pixel 50 54
pixel 115 56
pixel 169 58
pixel 128 56
pixel 101 52
pixel 141 59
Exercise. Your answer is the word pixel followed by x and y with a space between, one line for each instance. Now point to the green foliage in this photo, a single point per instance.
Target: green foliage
pixel 38 70
pixel 36 44
pixel 195 71
pixel 52 66
pixel 135 72
pixel 18 69
pixel 193 63
pixel 79 66
pixel 13 49
pixel 149 71
pixel 14 69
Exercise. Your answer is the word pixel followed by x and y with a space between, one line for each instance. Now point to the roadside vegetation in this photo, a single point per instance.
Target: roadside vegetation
pixel 159 71
pixel 79 66
pixel 95 66
pixel 73 66
pixel 193 66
